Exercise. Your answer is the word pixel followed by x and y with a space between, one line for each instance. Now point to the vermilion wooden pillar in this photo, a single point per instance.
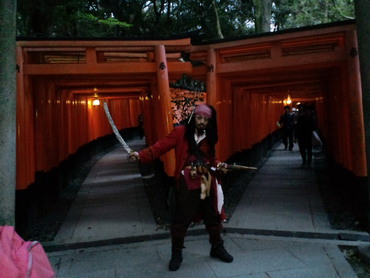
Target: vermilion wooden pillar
pixel 211 77
pixel 358 145
pixel 25 129
pixel 212 89
pixel 149 120
pixel 163 101
pixel 224 119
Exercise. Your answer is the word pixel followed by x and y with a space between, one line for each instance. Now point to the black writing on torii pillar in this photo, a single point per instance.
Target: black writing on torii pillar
pixel 162 66
pixel 210 68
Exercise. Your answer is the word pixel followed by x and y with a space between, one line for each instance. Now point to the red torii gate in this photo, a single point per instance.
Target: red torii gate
pixel 247 81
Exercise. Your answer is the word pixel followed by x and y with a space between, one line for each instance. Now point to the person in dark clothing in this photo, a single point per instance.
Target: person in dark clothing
pixel 287 125
pixel 306 124
pixel 140 121
pixel 198 192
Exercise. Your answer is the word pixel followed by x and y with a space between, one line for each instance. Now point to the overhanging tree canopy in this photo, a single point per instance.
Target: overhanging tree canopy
pixel 214 19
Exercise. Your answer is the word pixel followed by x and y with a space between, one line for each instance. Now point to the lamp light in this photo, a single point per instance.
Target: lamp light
pixel 287 101
pixel 96 102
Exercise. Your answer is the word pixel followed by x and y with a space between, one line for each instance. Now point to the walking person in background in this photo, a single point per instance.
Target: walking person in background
pixel 287 125
pixel 198 192
pixel 140 121
pixel 306 124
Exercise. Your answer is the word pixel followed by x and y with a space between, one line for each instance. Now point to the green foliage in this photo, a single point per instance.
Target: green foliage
pixel 67 18
pixel 137 18
pixel 293 13
pixel 113 22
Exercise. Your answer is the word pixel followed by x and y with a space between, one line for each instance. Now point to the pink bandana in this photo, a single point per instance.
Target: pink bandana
pixel 203 110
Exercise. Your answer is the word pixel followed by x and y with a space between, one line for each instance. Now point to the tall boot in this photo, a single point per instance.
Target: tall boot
pixel 218 251
pixel 176 257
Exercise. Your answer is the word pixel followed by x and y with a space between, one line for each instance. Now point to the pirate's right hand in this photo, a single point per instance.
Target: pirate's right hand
pixel 133 157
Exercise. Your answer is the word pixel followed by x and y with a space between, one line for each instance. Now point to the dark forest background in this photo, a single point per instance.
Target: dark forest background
pixel 209 19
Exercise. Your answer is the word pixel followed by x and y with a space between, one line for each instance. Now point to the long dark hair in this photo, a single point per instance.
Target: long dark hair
pixel 211 132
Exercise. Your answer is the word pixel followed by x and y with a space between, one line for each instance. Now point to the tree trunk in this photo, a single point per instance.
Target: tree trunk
pixel 7 112
pixel 262 15
pixel 218 25
pixel 362 8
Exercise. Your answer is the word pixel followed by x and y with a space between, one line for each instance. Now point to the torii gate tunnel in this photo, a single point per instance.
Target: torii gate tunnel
pixel 247 81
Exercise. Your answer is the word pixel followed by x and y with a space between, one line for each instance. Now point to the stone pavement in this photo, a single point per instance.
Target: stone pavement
pixel 278 229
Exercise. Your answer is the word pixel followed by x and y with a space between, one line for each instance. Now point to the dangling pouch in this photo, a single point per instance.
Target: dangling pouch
pixel 192 182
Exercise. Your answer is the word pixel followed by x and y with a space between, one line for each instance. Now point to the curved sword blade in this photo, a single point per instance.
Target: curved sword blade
pixel 115 130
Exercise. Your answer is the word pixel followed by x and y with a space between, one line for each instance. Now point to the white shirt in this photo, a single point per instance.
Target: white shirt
pixel 199 138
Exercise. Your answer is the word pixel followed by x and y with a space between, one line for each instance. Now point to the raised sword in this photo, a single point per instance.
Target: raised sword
pixel 115 130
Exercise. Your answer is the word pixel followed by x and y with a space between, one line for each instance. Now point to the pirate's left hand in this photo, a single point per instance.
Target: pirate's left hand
pixel 222 168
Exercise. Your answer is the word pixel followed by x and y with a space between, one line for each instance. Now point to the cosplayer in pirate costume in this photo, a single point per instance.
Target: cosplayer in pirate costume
pixel 198 193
